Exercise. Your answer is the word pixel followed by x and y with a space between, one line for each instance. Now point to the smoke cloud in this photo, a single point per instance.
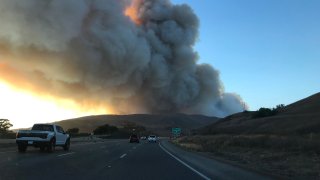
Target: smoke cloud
pixel 91 52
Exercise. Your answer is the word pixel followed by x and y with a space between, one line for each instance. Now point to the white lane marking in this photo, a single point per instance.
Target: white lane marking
pixel 122 156
pixel 65 154
pixel 185 164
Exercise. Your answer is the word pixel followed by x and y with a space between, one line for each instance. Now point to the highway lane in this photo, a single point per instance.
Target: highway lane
pixel 115 159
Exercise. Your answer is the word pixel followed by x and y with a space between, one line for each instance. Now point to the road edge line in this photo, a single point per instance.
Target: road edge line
pixel 185 164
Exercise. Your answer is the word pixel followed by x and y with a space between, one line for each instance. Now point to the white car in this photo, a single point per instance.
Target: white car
pixel 152 138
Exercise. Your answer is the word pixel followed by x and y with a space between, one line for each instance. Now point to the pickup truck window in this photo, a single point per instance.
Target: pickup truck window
pixel 59 129
pixel 42 127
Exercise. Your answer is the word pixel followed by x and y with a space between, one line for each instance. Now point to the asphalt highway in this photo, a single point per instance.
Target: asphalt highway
pixel 115 159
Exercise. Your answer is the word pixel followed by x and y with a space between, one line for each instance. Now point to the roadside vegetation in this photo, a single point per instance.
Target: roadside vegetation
pixel 283 141
pixel 105 129
pixel 75 132
pixel 287 156
pixel 109 131
pixel 5 133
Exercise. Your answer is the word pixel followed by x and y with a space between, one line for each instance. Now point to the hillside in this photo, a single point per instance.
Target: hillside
pixel 285 145
pixel 301 117
pixel 159 124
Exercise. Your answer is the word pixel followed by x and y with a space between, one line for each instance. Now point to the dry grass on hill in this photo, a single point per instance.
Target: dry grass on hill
pixel 285 144
pixel 292 157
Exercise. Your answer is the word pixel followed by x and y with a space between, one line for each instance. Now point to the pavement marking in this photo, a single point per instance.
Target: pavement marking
pixel 65 154
pixel 122 156
pixel 185 164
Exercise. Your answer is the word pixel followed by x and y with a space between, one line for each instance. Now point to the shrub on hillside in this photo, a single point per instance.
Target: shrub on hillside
pixel 105 129
pixel 266 112
pixel 73 131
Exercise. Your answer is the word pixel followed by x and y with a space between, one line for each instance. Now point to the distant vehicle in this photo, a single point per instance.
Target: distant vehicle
pixel 143 138
pixel 152 138
pixel 134 138
pixel 43 136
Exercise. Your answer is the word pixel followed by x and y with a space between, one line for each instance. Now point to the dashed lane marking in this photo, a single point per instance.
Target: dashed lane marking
pixel 66 154
pixel 122 156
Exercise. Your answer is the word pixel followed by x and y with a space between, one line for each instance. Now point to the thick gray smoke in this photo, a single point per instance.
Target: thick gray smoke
pixel 89 51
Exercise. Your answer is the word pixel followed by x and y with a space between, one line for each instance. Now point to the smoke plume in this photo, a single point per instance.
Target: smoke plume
pixel 130 56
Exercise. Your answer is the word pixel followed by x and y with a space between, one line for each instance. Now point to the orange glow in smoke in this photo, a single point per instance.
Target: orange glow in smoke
pixel 23 109
pixel 132 12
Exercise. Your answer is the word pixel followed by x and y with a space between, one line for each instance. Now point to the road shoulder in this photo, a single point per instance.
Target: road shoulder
pixel 213 168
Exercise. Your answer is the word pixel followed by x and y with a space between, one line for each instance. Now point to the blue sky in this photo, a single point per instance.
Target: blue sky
pixel 267 51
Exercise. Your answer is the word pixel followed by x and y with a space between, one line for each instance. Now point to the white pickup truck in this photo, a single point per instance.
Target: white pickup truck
pixel 44 136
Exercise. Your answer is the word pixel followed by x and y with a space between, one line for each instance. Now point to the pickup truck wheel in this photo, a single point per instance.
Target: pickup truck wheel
pixel 22 148
pixel 66 146
pixel 51 146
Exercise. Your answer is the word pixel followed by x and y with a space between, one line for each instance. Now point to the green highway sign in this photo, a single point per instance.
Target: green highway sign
pixel 176 131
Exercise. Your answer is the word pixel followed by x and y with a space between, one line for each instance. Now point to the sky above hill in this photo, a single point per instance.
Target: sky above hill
pixel 267 51
pixel 60 62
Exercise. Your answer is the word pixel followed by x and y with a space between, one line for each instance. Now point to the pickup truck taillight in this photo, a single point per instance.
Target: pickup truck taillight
pixel 19 135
